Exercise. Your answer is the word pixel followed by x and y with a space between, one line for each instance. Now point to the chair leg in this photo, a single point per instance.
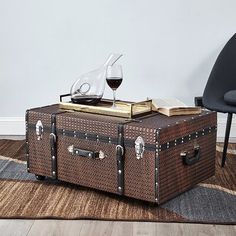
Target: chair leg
pixel 227 132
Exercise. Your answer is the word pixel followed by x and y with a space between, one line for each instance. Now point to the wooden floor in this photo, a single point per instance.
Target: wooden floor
pixel 108 228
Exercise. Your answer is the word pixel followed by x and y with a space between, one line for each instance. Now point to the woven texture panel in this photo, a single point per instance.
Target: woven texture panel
pixel 175 177
pixel 139 175
pixel 95 173
pixel 185 126
pixel 39 150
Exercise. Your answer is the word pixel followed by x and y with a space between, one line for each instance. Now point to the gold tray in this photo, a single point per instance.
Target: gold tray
pixel 124 109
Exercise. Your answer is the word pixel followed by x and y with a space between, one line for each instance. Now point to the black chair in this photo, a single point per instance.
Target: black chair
pixel 220 91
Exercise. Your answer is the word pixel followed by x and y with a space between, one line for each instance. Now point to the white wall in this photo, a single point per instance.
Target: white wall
pixel 169 47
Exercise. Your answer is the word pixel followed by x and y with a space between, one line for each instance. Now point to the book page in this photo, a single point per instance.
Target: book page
pixel 167 103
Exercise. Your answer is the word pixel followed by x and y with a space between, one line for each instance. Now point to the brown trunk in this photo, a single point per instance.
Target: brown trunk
pixel 86 151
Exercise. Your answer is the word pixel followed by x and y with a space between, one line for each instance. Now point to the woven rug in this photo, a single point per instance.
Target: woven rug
pixel 22 196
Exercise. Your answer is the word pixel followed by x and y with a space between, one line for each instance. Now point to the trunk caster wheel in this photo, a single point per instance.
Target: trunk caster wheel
pixel 40 177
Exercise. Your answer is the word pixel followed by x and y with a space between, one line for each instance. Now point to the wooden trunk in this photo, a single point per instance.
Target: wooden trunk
pixel 152 158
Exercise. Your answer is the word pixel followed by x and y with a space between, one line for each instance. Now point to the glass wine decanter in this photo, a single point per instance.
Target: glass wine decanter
pixel 89 87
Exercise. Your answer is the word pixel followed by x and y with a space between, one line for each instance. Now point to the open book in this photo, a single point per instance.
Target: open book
pixel 172 106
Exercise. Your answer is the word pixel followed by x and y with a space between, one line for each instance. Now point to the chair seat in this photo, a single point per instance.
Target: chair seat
pixel 230 97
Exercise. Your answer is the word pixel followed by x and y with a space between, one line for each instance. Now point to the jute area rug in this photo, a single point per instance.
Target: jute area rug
pixel 22 196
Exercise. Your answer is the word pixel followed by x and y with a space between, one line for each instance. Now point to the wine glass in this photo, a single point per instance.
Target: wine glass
pixel 114 79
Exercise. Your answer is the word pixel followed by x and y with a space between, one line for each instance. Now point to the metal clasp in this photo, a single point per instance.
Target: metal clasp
pixel 122 149
pixel 53 137
pixel 39 130
pixel 139 147
pixel 101 155
pixel 71 149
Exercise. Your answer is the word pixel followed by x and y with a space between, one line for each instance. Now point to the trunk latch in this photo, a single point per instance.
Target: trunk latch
pixel 39 130
pixel 139 147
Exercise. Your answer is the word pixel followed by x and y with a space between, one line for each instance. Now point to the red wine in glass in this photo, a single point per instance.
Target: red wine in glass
pixel 114 82
pixel 114 79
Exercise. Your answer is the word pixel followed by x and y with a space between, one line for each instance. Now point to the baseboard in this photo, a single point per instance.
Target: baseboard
pixel 12 125
pixel 16 126
pixel 221 124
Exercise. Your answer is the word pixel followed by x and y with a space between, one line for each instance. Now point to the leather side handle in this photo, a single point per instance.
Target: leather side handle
pixel 85 153
pixel 191 160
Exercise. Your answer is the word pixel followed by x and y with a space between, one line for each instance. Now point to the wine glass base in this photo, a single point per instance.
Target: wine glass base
pixel 114 107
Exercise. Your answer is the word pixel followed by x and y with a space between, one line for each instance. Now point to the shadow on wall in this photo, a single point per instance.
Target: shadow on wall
pixel 196 81
pixel 198 77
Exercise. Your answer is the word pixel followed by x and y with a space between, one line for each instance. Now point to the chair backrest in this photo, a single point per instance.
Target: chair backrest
pixel 222 77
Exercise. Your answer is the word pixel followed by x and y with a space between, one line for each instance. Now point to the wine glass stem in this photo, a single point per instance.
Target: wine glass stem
pixel 114 99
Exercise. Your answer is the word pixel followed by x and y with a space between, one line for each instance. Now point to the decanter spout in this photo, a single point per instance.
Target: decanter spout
pixel 112 59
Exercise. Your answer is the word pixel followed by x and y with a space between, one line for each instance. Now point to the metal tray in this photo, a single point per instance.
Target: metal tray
pixel 124 109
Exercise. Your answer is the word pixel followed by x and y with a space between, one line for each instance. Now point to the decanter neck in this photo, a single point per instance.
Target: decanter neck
pixel 112 59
